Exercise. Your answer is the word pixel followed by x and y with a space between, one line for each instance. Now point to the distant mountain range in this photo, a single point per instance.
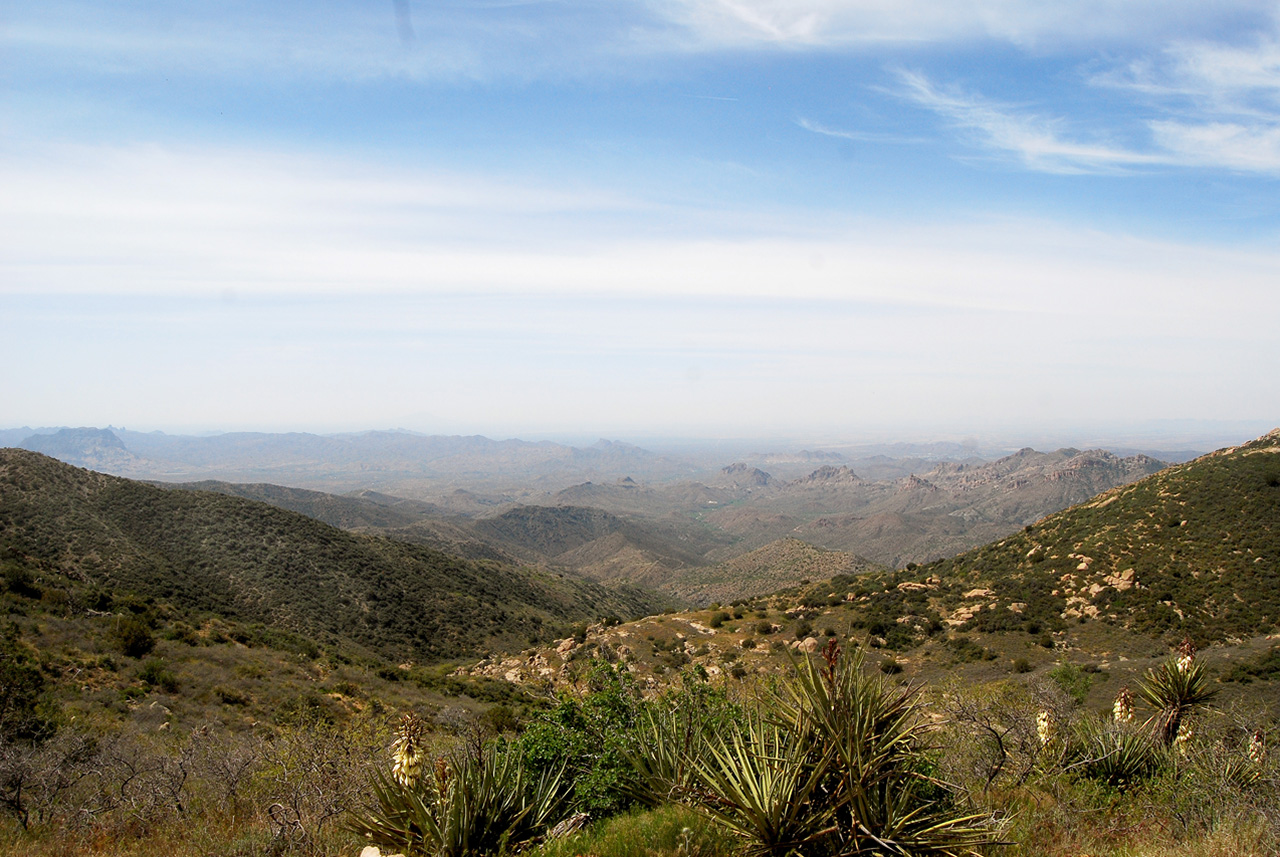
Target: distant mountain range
pixel 641 518
pixel 914 518
pixel 391 461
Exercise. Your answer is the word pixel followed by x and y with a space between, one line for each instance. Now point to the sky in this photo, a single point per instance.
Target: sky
pixel 694 217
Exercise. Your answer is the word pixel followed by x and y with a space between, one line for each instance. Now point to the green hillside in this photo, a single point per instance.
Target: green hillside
pixel 86 532
pixel 1193 549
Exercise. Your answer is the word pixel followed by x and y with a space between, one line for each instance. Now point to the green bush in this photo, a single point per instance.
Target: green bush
pixel 26 712
pixel 587 739
pixel 134 637
pixel 153 672
pixel 1074 681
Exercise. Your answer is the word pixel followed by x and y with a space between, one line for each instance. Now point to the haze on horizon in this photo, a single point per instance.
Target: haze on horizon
pixel 644 218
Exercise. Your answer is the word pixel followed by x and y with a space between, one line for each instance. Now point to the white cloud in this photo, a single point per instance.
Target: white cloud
pixel 1221 77
pixel 215 279
pixel 1037 141
pixel 483 41
pixel 1223 119
pixel 855 136
pixel 801 23
pixel 1221 145
pixel 156 221
pixel 1219 103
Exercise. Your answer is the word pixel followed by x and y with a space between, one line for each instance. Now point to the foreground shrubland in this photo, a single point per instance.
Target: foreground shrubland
pixel 833 760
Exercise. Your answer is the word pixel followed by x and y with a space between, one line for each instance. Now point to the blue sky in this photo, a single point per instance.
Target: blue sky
pixel 699 217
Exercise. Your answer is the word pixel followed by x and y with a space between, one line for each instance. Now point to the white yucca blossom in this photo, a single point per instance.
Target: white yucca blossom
pixel 1123 709
pixel 1044 727
pixel 407 753
pixel 1186 655
pixel 1185 733
pixel 1257 748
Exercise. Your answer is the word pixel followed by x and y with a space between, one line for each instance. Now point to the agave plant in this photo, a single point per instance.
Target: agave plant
pixel 463 806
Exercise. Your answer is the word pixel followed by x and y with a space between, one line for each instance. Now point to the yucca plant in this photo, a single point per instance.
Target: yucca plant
pixel 464 806
pixel 1114 752
pixel 761 783
pixel 837 766
pixel 1175 689
pixel 882 796
pixel 671 734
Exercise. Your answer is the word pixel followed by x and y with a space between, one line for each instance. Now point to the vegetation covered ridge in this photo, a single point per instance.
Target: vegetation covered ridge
pixel 1191 550
pixel 228 556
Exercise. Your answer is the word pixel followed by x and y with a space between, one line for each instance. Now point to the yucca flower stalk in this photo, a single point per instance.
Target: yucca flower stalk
pixel 1186 655
pixel 1181 741
pixel 1257 748
pixel 1122 710
pixel 1046 729
pixel 408 753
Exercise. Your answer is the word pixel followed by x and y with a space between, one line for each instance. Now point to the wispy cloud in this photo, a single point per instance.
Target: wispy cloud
pixel 1039 142
pixel 799 23
pixel 267 284
pixel 1245 148
pixel 157 221
pixel 1217 76
pixel 483 41
pixel 1219 104
pixel 855 136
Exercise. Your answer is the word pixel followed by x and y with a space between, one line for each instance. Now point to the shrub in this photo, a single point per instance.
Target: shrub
pixel 153 672
pixel 134 637
pixel 25 710
pixel 230 695
pixel 890 666
pixel 1074 681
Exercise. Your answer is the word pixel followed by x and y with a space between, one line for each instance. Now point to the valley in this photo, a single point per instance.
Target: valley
pixel 263 614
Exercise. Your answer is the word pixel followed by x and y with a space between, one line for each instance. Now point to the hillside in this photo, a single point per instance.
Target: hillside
pixel 778 565
pixel 1106 587
pixel 250 561
pixel 933 513
pixel 350 513
pixel 1192 549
